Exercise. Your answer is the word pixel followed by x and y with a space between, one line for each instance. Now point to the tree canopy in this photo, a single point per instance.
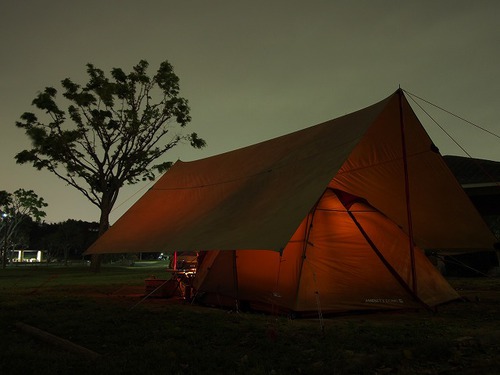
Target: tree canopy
pixel 114 131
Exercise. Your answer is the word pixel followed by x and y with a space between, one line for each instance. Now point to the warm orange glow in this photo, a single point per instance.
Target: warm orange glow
pixel 332 263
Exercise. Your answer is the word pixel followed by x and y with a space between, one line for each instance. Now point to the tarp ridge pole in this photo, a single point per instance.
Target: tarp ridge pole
pixel 407 194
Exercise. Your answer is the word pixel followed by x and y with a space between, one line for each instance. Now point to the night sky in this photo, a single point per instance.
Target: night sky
pixel 254 70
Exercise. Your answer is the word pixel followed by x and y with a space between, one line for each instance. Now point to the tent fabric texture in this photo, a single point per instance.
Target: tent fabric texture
pixel 321 218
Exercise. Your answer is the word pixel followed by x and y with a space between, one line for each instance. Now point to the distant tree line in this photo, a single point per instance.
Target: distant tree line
pixel 62 241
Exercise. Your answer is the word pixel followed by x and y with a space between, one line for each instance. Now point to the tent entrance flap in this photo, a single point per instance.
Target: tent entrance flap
pixel 347 201
pixel 217 275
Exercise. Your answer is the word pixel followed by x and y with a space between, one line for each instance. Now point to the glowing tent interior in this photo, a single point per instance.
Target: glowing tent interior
pixel 321 218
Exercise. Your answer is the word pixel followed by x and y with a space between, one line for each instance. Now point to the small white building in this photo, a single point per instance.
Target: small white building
pixel 28 256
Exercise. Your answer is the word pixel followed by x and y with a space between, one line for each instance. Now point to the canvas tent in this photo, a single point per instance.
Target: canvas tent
pixel 319 218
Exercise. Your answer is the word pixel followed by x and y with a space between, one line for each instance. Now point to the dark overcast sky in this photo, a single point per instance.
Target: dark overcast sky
pixel 253 70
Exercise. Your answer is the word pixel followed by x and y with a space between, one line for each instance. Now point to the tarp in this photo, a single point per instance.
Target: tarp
pixel 256 197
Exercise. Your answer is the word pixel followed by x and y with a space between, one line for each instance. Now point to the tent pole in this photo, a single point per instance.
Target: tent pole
pixel 235 280
pixel 276 292
pixel 308 228
pixel 407 195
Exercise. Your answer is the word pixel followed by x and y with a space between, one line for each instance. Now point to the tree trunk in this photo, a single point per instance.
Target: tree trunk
pixel 95 263
pixel 96 259
pixel 4 252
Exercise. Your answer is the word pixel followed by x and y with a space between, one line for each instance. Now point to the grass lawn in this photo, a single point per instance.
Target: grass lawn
pixel 104 313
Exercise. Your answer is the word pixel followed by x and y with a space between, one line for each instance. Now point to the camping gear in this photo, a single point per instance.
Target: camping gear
pixel 334 217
